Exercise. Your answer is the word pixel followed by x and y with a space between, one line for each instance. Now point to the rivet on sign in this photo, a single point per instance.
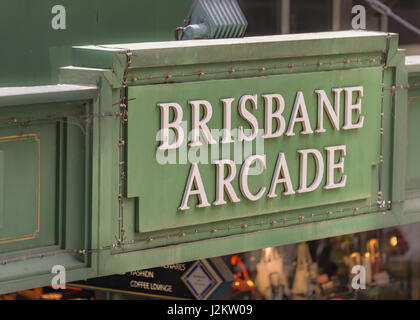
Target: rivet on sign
pixel 272 222
pixel 244 226
pixel 123 105
pixel 319 63
pixel 149 239
pixel 168 76
pixel 261 68
pixel 290 66
pixel 372 59
pixel 134 79
pixel 150 77
pixel 201 73
pixel 355 209
pixel 121 142
pixel 181 234
pixel 329 212
pixel 284 220
pixel 382 131
pixel 358 60
pixel 313 215
pixel 231 70
pixel 301 218
pixel 213 230
pixel 346 60
pixel 120 198
pixel 196 231
pixel 4 262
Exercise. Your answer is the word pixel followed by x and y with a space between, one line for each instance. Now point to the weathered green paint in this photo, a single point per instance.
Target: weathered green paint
pixel 165 184
pixel 413 110
pixel 167 64
pixel 80 169
pixel 44 147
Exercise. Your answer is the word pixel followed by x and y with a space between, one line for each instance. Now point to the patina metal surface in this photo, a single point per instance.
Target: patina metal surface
pixel 101 214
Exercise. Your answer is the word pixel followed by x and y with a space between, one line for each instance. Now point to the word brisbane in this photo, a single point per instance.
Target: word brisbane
pixel 274 107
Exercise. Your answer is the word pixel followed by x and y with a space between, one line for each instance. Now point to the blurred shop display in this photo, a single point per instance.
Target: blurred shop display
pixel 324 269
pixel 271 277
pixel 316 270
pixel 48 293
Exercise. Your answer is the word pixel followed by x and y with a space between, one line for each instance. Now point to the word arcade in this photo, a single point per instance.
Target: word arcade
pixel 200 134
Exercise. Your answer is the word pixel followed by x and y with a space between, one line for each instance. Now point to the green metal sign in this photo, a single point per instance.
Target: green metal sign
pixel 278 143
pixel 152 154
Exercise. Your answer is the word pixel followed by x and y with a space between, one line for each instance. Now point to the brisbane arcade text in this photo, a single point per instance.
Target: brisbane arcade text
pixel 325 160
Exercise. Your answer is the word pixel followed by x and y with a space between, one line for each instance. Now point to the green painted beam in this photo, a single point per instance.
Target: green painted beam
pixel 247 242
pixel 15 96
pixel 148 55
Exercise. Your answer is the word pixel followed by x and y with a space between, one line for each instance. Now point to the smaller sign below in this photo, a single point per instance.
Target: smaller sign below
pixel 201 279
pixel 191 280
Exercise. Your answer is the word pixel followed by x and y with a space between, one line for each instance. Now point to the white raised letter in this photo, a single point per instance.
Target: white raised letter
pixel 194 178
pixel 249 117
pixel 300 108
pixel 198 124
pixel 331 166
pixel 319 170
pixel 227 120
pixel 348 124
pixel 269 115
pixel 333 114
pixel 223 183
pixel 243 180
pixel 175 125
pixel 281 168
